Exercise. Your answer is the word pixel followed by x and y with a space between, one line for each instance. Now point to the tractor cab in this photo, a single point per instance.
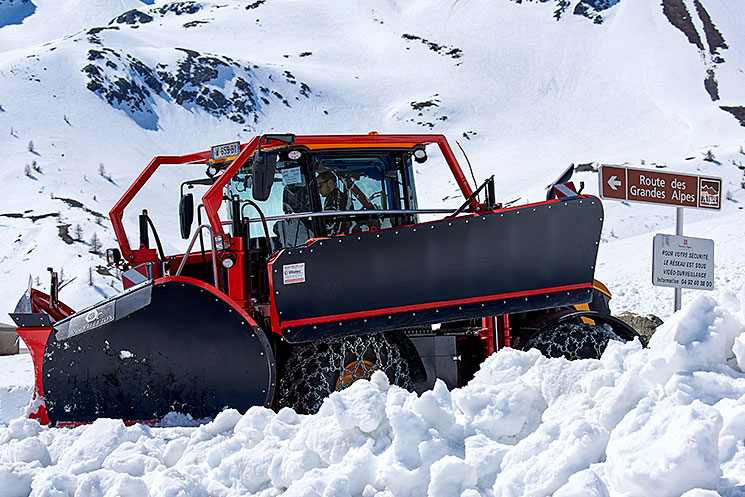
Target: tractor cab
pixel 286 196
pixel 313 193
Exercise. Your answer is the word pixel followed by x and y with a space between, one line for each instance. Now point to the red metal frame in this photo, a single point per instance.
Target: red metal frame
pixel 41 302
pixel 236 280
pixel 235 284
pixel 487 333
pixel 117 211
pixel 212 199
pixel 504 331
pixel 36 341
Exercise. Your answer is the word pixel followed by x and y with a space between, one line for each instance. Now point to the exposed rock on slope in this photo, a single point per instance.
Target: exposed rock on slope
pixel 213 83
pixel 590 9
pixel 135 16
pixel 680 17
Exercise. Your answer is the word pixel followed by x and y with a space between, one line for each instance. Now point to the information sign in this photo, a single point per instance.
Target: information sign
pixel 656 187
pixel 683 262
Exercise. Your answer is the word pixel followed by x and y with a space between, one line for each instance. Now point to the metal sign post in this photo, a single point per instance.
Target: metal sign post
pixel 665 188
pixel 678 296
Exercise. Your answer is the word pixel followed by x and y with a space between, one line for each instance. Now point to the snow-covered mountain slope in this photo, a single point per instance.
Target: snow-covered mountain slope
pixel 90 91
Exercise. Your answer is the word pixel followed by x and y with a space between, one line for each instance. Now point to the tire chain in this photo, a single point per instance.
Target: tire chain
pixel 312 369
pixel 573 341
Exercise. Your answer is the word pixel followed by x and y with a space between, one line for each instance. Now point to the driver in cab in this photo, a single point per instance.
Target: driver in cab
pixel 334 200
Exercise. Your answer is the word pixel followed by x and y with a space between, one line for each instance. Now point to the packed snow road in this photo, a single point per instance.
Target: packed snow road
pixel 664 421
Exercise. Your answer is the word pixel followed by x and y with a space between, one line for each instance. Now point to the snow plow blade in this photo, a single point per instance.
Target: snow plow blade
pixel 175 345
pixel 500 262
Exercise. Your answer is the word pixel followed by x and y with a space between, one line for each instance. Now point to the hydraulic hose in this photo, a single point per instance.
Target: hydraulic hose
pixel 144 222
pixel 157 238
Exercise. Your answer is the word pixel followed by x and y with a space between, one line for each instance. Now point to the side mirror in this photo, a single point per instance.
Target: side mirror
pixel 186 214
pixel 262 171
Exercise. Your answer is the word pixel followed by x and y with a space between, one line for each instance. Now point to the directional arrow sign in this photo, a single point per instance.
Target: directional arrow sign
pixel 614 183
pixel 656 187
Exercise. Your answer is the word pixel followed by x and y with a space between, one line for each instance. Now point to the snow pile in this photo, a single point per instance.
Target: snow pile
pixel 16 385
pixel 662 421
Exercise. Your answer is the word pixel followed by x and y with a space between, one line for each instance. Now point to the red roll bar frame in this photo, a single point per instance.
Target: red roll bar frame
pixel 213 197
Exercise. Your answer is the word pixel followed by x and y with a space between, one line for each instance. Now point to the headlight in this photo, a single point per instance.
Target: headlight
pixel 420 154
pixel 227 260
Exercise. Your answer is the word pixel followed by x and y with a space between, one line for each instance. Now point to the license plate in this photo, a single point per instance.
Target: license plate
pixel 226 150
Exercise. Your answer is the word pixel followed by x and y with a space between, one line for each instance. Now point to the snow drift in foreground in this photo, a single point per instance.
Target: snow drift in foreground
pixel 663 421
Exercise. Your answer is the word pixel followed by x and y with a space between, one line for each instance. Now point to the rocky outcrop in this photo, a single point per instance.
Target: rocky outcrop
pixel 591 9
pixel 135 16
pixel 714 38
pixel 449 51
pixel 179 8
pixel 678 15
pixel 738 112
pixel 213 83
pixel 644 325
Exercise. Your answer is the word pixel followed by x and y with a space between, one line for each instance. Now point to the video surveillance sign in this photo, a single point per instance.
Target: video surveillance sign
pixel 683 262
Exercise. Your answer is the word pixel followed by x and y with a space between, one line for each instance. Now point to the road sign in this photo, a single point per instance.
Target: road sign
pixel 683 262
pixel 656 187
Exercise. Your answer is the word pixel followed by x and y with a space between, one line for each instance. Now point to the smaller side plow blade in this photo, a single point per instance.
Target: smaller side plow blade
pixel 175 345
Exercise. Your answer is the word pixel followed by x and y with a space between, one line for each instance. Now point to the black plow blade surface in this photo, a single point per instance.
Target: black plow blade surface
pixel 501 262
pixel 171 346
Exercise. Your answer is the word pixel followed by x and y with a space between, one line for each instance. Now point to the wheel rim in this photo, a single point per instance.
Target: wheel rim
pixel 355 370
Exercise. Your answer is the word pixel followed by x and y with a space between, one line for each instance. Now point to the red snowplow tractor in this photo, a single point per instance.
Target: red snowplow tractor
pixel 310 265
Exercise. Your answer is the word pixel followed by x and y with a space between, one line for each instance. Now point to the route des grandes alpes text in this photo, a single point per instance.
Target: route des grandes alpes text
pixel 658 188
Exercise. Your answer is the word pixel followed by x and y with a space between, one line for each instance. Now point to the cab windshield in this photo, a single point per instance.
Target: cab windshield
pixel 307 182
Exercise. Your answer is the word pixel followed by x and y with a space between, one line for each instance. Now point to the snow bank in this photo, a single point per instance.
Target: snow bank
pixel 13 401
pixel 663 421
pixel 16 385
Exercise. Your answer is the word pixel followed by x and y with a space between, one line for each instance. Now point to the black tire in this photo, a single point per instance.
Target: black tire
pixel 314 370
pixel 572 340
